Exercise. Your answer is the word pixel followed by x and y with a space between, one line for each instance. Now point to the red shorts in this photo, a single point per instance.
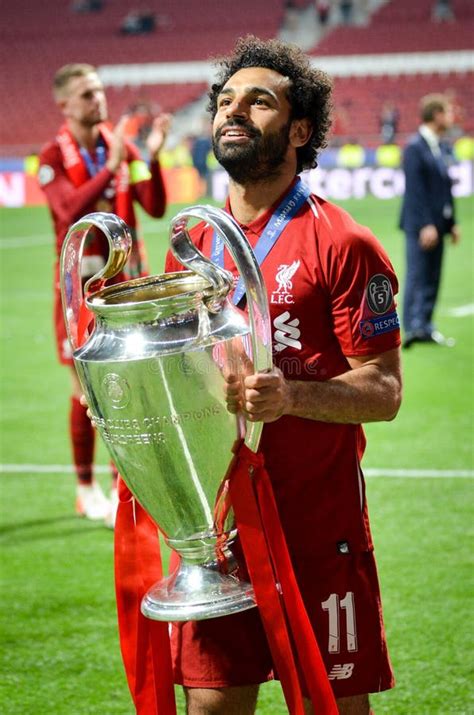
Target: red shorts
pixel 342 598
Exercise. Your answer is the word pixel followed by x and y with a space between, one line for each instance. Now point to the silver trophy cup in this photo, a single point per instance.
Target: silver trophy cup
pixel 153 370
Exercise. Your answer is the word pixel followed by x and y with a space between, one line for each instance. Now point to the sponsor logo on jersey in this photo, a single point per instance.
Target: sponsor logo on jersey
pixel 341 672
pixel 45 174
pixel 287 333
pixel 372 327
pixel 379 294
pixel 285 285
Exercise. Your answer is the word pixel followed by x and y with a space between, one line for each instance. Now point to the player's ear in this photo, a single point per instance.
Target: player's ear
pixel 61 100
pixel 300 132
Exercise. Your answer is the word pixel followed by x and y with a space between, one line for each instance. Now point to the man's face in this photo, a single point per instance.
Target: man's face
pixel 252 123
pixel 84 100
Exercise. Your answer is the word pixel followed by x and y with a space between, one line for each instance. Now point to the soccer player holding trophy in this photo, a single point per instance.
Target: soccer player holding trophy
pixel 232 394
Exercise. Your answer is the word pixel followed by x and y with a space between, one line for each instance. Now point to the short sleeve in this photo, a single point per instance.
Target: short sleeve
pixel 362 287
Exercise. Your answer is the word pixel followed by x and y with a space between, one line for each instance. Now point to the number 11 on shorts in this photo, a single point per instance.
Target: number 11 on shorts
pixel 333 606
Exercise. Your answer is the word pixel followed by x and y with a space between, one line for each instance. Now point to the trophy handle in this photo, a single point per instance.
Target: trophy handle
pixel 231 233
pixel 119 238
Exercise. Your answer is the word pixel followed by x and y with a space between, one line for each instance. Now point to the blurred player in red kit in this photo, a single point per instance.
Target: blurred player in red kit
pixel 90 166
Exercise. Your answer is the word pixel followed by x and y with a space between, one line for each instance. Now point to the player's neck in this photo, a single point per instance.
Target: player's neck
pixel 85 136
pixel 251 200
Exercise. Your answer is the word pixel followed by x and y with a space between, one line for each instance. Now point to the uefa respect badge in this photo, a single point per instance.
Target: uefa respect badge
pixel 378 308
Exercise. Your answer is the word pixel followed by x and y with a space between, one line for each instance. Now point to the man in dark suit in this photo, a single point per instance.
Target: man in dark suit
pixel 427 216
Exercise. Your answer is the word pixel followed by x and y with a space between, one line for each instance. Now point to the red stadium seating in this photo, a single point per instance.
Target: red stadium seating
pixel 362 99
pixel 403 26
pixel 400 26
pixel 30 118
pixel 37 38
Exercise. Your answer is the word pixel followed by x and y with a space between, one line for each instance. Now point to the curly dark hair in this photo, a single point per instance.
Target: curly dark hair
pixel 309 92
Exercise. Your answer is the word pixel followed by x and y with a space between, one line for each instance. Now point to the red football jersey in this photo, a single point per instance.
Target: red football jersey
pixel 331 291
pixel 68 203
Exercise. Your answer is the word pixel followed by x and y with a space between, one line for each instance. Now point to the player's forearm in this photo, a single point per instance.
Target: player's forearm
pixel 367 394
pixel 70 202
pixel 89 192
pixel 151 194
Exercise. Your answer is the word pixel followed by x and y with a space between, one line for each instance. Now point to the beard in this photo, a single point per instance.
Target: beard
pixel 258 159
pixel 90 122
pixel 98 116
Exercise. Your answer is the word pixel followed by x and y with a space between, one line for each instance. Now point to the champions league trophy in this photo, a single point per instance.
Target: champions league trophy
pixel 153 370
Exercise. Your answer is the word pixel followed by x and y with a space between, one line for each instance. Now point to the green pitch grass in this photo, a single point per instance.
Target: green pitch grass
pixel 60 652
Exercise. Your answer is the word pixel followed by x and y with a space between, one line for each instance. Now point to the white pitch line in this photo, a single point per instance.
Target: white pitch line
pixel 44 468
pixel 461 311
pixel 369 472
pixel 419 473
pixel 26 241
pixel 48 240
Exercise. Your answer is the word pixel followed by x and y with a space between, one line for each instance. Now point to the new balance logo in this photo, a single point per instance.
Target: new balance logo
pixel 286 333
pixel 341 672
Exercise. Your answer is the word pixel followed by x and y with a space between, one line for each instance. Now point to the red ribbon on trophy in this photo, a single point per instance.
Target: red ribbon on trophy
pixel 145 644
pixel 278 597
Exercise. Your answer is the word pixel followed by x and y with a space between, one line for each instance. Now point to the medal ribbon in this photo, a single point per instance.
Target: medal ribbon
pixel 281 217
pixel 93 167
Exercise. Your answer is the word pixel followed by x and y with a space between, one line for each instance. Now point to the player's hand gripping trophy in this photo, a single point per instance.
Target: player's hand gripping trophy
pixel 153 370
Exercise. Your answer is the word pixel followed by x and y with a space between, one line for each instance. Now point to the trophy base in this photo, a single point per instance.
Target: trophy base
pixel 196 592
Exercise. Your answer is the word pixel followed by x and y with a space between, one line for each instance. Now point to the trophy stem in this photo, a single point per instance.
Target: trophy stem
pixel 195 592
